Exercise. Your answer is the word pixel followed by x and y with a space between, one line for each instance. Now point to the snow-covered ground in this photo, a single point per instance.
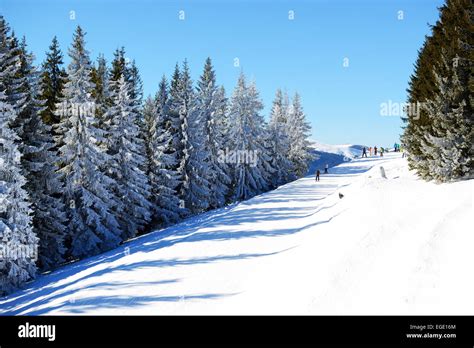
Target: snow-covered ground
pixel 389 246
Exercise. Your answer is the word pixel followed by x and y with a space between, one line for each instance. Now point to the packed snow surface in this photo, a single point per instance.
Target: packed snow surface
pixel 388 246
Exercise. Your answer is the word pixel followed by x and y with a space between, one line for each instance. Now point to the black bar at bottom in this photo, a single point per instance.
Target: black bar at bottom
pixel 194 330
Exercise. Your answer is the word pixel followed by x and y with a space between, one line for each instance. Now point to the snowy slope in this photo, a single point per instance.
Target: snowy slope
pixel 389 246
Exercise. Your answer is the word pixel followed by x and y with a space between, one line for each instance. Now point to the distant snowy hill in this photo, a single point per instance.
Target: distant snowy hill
pixel 332 155
pixel 390 246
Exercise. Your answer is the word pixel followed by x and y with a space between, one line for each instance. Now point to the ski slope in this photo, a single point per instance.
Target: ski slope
pixel 389 246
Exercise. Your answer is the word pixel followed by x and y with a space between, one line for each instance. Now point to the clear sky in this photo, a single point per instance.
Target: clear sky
pixel 306 53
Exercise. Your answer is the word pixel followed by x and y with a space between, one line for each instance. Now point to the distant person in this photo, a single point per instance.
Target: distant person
pixel 375 150
pixel 381 151
pixel 326 169
pixel 317 175
pixel 364 152
pixel 370 151
pixel 395 147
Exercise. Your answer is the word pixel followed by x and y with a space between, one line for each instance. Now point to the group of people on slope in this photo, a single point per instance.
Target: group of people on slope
pixel 396 148
pixel 375 149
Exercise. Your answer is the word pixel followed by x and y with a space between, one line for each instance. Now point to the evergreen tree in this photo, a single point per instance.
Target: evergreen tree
pixel 211 114
pixel 18 243
pixel 299 132
pixel 136 85
pixel 53 78
pixel 175 130
pixel 39 165
pixel 128 151
pixel 119 66
pixel 92 227
pixel 438 136
pixel 194 190
pixel 11 80
pixel 100 92
pixel 247 133
pixel 280 142
pixel 449 141
pixel 163 161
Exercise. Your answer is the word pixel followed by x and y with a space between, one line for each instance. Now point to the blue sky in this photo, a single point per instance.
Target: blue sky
pixel 304 54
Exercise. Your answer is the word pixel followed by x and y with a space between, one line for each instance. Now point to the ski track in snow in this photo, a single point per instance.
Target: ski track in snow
pixel 296 250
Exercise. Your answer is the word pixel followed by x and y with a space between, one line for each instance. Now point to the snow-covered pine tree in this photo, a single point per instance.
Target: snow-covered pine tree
pixel 136 83
pixel 149 115
pixel 89 202
pixel 299 132
pixel 53 78
pixel 162 159
pixel 136 96
pixel 119 66
pixel 445 57
pixel 210 111
pixel 249 156
pixel 100 92
pixel 39 166
pixel 280 142
pixel 263 159
pixel 176 133
pixel 193 157
pixel 11 81
pixel 18 243
pixel 448 142
pixel 128 151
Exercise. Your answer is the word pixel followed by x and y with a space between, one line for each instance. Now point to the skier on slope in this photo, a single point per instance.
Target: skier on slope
pixel 370 151
pixel 381 151
pixel 317 175
pixel 364 152
pixel 375 150
pixel 326 169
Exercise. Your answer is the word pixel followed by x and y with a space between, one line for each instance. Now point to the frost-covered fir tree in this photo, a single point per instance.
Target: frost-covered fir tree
pixel 136 96
pixel 163 161
pixel 149 115
pixel 128 151
pixel 439 136
pixel 100 92
pixel 175 130
pixel 18 243
pixel 448 142
pixel 39 165
pixel 248 156
pixel 11 82
pixel 119 66
pixel 194 190
pixel 135 82
pixel 87 193
pixel 53 78
pixel 211 106
pixel 299 132
pixel 280 142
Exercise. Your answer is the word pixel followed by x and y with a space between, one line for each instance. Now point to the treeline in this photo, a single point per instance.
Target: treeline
pixel 438 133
pixel 86 163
